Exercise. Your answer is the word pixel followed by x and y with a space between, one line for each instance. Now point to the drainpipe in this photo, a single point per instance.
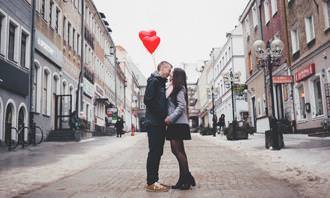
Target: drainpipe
pixel 33 29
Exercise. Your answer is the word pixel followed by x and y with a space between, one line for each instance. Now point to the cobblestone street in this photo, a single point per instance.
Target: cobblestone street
pixel 219 172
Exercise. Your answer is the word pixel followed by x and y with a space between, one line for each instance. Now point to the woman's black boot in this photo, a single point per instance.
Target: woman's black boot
pixel 179 183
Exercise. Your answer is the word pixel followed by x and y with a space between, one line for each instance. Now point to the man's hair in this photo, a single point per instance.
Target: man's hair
pixel 162 64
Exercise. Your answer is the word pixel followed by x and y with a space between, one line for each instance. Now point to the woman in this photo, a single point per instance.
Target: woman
pixel 177 126
pixel 221 122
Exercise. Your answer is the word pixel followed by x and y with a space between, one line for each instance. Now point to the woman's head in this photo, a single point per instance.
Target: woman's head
pixel 179 78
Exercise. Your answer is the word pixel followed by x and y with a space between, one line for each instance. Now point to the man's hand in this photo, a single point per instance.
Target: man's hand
pixel 167 120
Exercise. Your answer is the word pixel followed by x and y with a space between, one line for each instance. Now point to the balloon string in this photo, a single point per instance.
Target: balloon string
pixel 154 59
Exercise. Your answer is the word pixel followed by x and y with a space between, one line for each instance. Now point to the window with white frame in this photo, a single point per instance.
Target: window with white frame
pixel 309 28
pixel 274 7
pixel 51 14
pixel 35 88
pixel 255 15
pixel 57 20
pixel 25 44
pixel 2 33
pixel 45 90
pixel 43 9
pixel 69 34
pixel 13 41
pixel 326 10
pixel 295 41
pixel 318 103
pixel 266 10
pixel 65 31
pixel 78 44
pixel 74 40
pixel 302 102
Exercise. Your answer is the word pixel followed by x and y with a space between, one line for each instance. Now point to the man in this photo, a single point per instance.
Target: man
pixel 156 112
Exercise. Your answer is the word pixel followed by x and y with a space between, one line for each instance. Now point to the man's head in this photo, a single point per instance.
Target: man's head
pixel 164 68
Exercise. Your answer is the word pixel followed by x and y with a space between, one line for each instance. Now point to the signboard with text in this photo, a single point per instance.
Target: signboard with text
pixel 282 79
pixel 305 72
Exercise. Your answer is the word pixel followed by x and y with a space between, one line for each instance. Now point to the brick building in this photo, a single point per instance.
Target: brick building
pixel 309 27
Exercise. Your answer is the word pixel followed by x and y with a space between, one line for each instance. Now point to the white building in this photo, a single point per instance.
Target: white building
pixel 230 58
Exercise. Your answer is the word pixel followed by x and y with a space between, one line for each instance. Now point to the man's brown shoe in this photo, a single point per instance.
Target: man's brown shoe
pixel 156 187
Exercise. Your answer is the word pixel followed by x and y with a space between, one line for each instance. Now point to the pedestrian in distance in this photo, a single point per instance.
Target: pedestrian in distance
pixel 156 112
pixel 119 127
pixel 222 123
pixel 178 126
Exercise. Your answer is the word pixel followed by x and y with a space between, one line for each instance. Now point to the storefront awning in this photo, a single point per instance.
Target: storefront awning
pixel 104 101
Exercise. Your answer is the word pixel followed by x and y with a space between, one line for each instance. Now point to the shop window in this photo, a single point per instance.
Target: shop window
pixel 302 110
pixel 318 97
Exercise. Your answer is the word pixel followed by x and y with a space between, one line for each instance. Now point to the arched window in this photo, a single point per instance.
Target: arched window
pixel 45 92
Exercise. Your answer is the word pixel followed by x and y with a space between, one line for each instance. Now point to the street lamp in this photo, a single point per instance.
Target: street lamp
pixel 269 57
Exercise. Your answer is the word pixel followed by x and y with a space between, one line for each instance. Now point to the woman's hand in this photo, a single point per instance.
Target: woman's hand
pixel 167 120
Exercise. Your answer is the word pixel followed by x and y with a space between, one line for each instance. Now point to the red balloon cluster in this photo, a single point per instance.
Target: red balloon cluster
pixel 150 40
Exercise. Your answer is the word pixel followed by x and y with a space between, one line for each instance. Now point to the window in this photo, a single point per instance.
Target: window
pixel 266 10
pixel 24 49
pixel 68 33
pixel 78 44
pixel 318 97
pixel 250 65
pixel 35 88
pixel 57 22
pixel 51 6
pixel 309 28
pixel 326 10
pixel 74 40
pixel 255 15
pixel 302 112
pixel 45 93
pixel 274 6
pixel 65 28
pixel 11 42
pixel 2 33
pixel 295 41
pixel 43 9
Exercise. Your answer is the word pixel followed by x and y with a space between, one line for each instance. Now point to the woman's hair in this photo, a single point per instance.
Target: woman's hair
pixel 179 81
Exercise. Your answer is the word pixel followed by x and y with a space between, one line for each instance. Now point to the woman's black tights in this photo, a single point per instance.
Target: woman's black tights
pixel 178 150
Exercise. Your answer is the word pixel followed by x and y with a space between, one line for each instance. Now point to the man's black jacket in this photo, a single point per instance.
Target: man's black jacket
pixel 155 100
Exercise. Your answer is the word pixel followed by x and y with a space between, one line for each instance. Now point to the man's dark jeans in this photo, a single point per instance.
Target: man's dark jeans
pixel 156 139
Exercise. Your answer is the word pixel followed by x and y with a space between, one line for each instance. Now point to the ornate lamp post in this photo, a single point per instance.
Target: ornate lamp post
pixel 269 57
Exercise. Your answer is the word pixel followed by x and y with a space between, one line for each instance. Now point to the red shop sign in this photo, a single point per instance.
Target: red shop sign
pixel 305 73
pixel 282 79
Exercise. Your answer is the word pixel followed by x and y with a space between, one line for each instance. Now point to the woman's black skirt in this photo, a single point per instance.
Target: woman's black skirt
pixel 178 132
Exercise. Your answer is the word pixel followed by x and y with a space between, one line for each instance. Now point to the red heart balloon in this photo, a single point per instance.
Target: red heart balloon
pixel 151 43
pixel 143 34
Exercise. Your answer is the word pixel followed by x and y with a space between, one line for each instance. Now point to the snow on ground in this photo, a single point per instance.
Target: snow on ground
pixel 304 162
pixel 34 167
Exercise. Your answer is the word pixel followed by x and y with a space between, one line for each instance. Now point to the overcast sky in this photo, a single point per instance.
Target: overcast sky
pixel 188 28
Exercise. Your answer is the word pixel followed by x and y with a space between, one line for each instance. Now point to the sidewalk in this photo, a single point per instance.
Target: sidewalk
pixel 304 162
pixel 35 166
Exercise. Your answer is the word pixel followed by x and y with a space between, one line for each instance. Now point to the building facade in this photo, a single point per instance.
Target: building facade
pixel 230 59
pixel 15 51
pixel 308 26
pixel 255 75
